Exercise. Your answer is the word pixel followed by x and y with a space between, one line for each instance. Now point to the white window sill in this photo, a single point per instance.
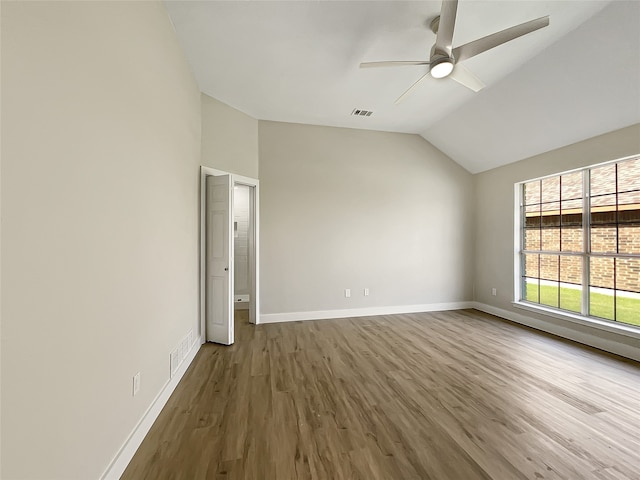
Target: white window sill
pixel 609 326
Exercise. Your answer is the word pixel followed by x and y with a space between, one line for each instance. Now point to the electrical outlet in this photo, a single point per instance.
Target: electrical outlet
pixel 366 292
pixel 136 384
pixel 347 292
pixel 494 292
pixel 175 361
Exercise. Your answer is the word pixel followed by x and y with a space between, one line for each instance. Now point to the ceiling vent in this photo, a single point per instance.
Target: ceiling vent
pixel 357 112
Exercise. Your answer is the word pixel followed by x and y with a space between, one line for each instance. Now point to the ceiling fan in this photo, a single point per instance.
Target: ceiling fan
pixel 445 60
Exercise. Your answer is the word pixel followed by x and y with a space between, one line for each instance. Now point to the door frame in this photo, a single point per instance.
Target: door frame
pixel 254 245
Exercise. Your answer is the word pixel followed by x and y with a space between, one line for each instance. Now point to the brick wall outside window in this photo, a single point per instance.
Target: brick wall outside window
pixel 601 273
pixel 553 222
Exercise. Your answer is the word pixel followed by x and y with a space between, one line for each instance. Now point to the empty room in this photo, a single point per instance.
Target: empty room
pixel 281 240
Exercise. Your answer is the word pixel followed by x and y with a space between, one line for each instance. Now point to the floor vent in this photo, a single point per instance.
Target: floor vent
pixel 357 112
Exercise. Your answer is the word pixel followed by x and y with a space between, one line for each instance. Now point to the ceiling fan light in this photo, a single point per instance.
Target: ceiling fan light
pixel 442 69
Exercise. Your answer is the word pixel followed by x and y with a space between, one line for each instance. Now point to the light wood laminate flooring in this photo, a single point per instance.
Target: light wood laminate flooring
pixel 453 395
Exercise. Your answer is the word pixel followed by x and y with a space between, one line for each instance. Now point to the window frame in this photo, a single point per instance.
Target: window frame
pixel 519 284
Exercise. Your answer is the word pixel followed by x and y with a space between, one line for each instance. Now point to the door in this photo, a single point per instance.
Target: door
pixel 219 260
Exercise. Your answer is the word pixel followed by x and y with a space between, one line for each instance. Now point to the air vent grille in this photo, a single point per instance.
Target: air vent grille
pixel 358 112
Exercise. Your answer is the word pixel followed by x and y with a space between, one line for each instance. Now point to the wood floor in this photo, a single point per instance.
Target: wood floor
pixel 447 395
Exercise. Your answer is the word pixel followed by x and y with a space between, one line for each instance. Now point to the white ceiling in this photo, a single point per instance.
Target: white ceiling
pixel 298 62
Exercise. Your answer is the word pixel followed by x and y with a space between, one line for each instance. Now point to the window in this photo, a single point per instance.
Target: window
pixel 580 241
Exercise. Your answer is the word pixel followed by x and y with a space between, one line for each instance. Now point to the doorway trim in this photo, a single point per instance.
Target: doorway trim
pixel 254 264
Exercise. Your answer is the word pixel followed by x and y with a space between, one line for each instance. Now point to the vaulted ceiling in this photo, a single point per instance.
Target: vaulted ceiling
pixel 299 62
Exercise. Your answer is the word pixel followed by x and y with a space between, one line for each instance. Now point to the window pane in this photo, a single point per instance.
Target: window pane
pixel 570 283
pixel 532 210
pixel 532 239
pixel 549 211
pixel 549 295
pixel 629 175
pixel 551 189
pixel 602 283
pixel 601 299
pixel 603 203
pixel 571 239
pixel 603 218
pixel 603 221
pixel 601 272
pixel 628 274
pixel 532 193
pixel 571 298
pixel 629 214
pixel 531 265
pixel 603 180
pixel 629 201
pixel 550 223
pixel 572 186
pixel 549 267
pixel 629 238
pixel 549 278
pixel 571 222
pixel 570 269
pixel 531 290
pixel 603 239
pixel 532 219
pixel 571 206
pixel 601 303
pixel 551 239
pixel 628 290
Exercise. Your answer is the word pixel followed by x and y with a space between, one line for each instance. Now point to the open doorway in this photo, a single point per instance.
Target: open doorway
pixel 228 253
pixel 241 238
pixel 245 249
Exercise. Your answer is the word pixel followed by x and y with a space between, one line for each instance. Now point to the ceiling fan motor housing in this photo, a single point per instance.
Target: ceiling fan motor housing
pixel 441 65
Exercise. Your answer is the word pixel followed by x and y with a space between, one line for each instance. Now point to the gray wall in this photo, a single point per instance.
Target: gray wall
pixel 494 206
pixel 229 138
pixel 344 208
pixel 100 154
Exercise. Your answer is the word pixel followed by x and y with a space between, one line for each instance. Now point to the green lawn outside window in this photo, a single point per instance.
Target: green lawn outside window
pixel 601 305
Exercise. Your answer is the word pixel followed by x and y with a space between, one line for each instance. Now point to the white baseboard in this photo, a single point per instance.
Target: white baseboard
pixel 118 465
pixel 361 312
pixel 595 338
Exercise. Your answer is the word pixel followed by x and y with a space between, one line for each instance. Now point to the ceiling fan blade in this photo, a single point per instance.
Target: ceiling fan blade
pixel 483 44
pixel 444 37
pixel 465 78
pixel 393 63
pixel 411 88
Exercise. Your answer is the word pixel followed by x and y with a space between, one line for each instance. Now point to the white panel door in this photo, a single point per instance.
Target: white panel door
pixel 219 260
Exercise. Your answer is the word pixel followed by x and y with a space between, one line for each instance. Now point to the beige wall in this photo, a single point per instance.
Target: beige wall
pixel 102 133
pixel 344 208
pixel 494 246
pixel 229 138
pixel 100 154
